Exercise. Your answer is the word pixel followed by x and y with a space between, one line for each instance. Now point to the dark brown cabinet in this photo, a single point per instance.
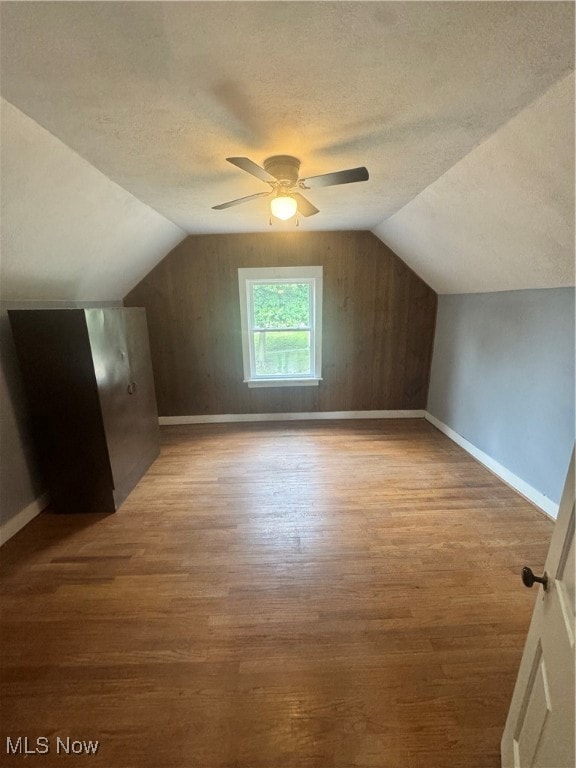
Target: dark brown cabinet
pixel 89 384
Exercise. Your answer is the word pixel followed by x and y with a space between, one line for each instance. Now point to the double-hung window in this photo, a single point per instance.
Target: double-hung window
pixel 281 313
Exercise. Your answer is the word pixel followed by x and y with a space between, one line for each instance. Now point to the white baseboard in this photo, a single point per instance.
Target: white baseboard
pixel 310 416
pixel 537 498
pixel 16 523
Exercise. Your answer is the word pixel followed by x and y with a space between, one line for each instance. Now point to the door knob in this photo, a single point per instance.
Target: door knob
pixel 528 578
pixel 131 387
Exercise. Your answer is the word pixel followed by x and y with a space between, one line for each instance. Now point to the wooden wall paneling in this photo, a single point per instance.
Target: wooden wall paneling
pixel 340 293
pixel 402 333
pixel 381 331
pixel 378 321
pixel 332 337
pixel 216 317
pixel 274 399
pixel 156 296
pixel 386 352
pixel 196 318
pixel 365 350
pixel 204 324
pixel 421 306
pixel 228 343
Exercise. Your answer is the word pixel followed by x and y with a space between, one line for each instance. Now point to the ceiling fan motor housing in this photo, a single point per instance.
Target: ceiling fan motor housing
pixel 281 172
pixel 285 168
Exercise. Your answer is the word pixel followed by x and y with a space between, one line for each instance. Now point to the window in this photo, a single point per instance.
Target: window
pixel 281 312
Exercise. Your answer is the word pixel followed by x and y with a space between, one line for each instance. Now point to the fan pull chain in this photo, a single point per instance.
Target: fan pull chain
pixel 297 221
pixel 270 222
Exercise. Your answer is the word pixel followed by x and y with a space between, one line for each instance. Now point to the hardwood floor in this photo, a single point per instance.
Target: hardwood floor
pixel 290 595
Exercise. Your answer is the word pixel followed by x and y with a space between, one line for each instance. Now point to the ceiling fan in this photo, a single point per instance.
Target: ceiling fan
pixel 281 173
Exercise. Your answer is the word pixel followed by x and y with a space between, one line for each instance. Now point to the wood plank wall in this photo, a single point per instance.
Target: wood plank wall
pixel 378 325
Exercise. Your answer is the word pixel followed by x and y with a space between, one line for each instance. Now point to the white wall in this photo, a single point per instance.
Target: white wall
pixel 68 232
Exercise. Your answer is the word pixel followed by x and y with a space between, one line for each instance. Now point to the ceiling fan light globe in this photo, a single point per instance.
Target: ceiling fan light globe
pixel 283 207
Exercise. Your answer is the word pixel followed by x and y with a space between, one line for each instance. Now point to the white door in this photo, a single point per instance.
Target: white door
pixel 539 731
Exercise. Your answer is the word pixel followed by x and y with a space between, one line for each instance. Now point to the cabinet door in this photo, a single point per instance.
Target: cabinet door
pixel 119 343
pixel 58 374
pixel 146 432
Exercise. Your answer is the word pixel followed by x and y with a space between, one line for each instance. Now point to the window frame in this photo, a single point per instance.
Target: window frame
pixel 247 277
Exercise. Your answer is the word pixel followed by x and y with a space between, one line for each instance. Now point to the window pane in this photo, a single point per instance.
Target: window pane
pixel 281 305
pixel 282 352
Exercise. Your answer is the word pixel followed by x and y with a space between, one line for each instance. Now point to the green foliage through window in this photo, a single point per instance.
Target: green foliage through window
pixel 281 305
pixel 282 352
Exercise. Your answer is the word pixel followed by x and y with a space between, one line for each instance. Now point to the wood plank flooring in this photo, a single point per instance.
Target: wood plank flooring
pixel 289 595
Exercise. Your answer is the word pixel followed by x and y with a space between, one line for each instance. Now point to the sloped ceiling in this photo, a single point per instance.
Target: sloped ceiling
pixel 68 232
pixel 156 95
pixel 503 217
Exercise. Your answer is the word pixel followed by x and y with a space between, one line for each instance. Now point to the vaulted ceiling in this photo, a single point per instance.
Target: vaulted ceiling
pixel 155 95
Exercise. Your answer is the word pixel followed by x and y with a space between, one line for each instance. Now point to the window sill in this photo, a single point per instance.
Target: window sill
pixel 282 382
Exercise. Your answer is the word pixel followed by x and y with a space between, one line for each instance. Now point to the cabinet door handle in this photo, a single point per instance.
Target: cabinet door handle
pixel 131 387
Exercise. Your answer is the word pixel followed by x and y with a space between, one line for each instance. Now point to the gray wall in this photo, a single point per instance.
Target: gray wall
pixel 21 481
pixel 503 378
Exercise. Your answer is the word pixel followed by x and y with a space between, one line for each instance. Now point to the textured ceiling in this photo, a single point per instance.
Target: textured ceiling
pixel 503 217
pixel 68 232
pixel 156 94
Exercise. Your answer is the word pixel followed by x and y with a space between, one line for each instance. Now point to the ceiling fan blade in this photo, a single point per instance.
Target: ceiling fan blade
pixel 339 177
pixel 240 200
pixel 305 207
pixel 249 166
